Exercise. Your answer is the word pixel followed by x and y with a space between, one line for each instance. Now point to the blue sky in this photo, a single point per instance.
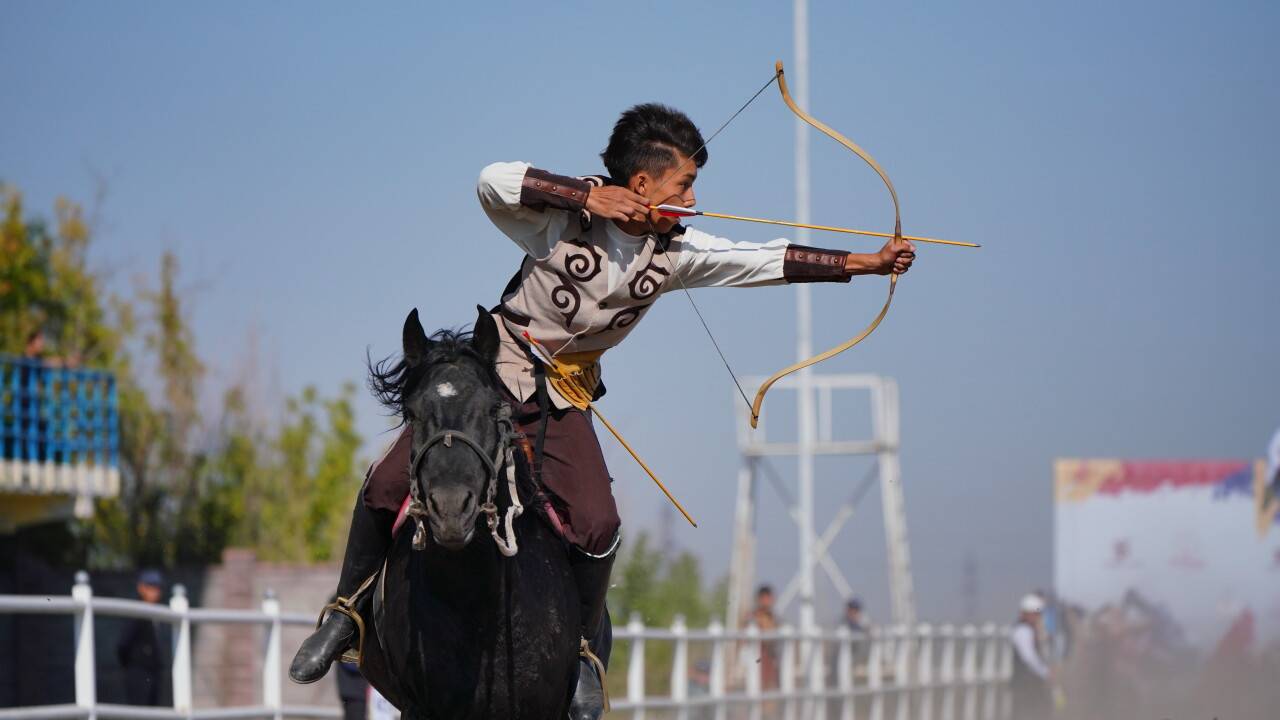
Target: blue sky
pixel 313 166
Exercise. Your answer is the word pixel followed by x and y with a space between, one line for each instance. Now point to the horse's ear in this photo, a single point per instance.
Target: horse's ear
pixel 485 336
pixel 416 344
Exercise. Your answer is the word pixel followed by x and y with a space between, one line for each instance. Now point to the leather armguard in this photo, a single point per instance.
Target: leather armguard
pixel 541 190
pixel 809 264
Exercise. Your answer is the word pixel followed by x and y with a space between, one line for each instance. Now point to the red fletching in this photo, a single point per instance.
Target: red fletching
pixel 675 211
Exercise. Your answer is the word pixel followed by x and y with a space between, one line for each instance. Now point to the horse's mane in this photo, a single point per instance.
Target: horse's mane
pixel 393 379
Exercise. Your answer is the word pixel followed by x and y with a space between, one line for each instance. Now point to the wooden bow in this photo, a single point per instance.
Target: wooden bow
pixel 781 79
pixel 897 235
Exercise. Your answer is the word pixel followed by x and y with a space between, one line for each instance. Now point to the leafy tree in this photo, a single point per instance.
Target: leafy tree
pixel 301 515
pixel 187 490
pixel 658 588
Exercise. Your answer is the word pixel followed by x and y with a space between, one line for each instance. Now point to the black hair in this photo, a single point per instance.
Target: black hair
pixel 644 138
pixel 765 589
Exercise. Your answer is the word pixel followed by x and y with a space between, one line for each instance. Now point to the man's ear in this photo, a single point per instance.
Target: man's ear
pixel 484 338
pixel 640 183
pixel 416 344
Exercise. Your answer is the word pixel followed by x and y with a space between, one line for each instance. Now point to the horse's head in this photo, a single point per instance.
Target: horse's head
pixel 446 390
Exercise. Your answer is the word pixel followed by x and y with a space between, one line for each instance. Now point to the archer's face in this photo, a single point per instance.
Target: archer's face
pixel 672 186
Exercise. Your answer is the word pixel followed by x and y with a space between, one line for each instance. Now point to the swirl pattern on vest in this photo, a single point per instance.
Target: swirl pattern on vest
pixel 567 300
pixel 648 282
pixel 585 265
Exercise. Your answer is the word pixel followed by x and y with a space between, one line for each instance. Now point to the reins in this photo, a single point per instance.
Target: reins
pixel 503 461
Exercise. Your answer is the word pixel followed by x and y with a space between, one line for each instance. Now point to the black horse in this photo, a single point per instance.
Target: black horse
pixel 464 627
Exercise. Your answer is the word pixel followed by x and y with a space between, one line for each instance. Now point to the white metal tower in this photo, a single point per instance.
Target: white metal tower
pixel 814 437
pixel 815 548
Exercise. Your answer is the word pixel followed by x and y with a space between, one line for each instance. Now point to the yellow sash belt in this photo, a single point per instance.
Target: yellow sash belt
pixel 576 376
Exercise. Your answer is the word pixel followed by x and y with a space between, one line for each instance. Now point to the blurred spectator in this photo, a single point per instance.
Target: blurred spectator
pixel 700 687
pixel 142 652
pixel 31 415
pixel 856 621
pixel 353 691
pixel 853 616
pixel 1030 684
pixel 763 618
pixel 37 349
pixel 1273 468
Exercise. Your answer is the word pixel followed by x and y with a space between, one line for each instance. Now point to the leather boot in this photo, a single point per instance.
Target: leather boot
pixel 367 546
pixel 592 575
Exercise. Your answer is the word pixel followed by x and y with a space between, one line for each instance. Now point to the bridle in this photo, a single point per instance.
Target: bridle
pixel 502 460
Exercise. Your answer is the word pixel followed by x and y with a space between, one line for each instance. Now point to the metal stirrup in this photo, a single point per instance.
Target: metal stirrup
pixel 347 606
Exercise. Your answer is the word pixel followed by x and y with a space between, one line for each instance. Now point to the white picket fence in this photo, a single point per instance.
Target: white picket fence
pixel 83 607
pixel 943 673
pixel 947 673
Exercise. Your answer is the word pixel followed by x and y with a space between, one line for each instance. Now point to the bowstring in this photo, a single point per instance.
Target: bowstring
pixel 688 295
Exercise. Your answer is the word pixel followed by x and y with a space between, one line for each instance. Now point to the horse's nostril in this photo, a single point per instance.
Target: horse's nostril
pixel 435 506
pixel 466 503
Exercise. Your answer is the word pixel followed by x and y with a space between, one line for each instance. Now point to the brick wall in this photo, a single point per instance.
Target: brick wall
pixel 227 658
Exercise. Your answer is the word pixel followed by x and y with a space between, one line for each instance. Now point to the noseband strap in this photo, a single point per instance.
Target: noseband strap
pixel 502 461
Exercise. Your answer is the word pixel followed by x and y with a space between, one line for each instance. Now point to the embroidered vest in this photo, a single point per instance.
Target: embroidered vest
pixel 565 302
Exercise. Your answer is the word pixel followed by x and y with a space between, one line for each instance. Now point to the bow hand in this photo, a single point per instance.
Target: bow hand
pixel 895 258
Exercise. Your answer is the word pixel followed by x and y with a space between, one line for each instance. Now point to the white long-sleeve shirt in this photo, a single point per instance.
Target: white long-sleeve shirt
pixel 705 261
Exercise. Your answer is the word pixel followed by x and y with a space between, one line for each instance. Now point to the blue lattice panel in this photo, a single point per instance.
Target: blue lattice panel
pixel 59 429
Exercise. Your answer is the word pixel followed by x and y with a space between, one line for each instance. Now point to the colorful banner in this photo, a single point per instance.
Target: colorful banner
pixel 1199 539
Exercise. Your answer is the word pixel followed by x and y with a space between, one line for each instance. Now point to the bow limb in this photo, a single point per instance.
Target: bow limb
pixel 825 355
pixel 897 233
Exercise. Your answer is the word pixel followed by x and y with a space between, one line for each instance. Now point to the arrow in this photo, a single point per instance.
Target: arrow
pixel 548 359
pixel 677 211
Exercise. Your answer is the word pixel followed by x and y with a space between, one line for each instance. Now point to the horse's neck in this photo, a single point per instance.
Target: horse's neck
pixel 478 573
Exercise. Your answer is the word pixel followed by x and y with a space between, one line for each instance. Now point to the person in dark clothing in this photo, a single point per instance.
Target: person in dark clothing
pixel 856 622
pixel 141 650
pixel 353 691
pixel 853 616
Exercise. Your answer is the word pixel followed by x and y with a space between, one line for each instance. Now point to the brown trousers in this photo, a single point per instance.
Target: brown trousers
pixel 573 473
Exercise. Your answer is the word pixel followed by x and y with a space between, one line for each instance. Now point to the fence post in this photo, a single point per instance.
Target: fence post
pixel 1006 674
pixel 990 671
pixel 969 672
pixel 844 671
pixel 902 671
pixel 947 672
pixel 635 666
pixel 875 673
pixel 271 689
pixel 787 673
pixel 815 708
pixel 717 684
pixel 181 667
pixel 680 667
pixel 86 681
pixel 755 670
pixel 924 673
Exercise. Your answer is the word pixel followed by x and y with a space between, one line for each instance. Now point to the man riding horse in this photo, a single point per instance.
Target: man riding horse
pixel 597 256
